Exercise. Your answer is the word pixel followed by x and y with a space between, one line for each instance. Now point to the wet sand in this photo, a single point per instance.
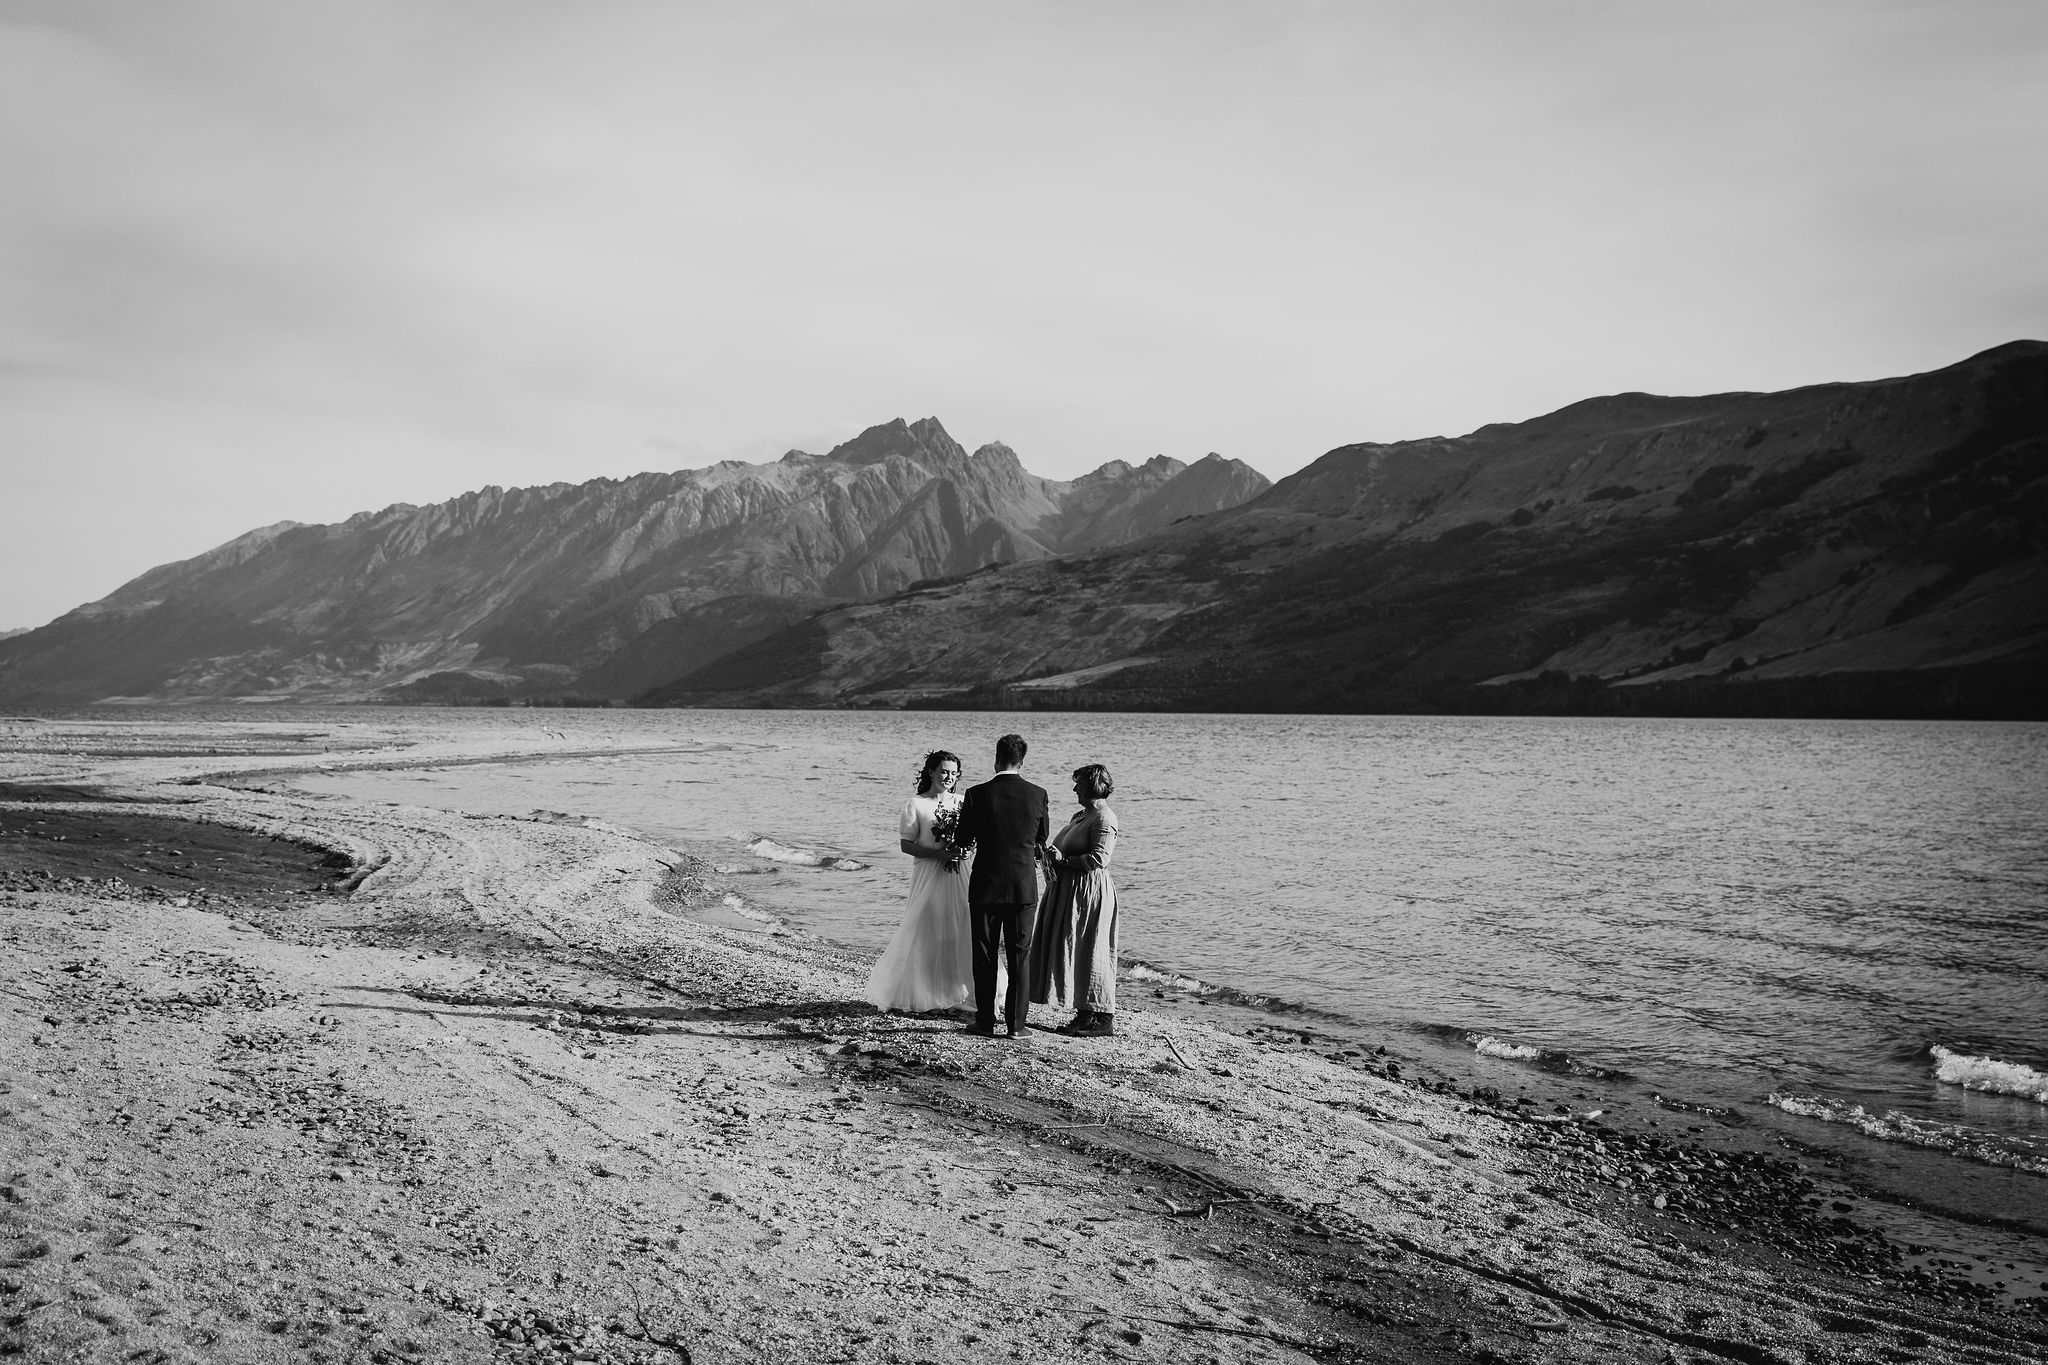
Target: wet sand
pixel 346 1081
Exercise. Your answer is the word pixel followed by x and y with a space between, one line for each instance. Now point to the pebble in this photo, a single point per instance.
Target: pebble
pixel 1768 1199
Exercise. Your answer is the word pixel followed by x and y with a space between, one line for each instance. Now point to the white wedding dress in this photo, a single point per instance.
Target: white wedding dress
pixel 929 965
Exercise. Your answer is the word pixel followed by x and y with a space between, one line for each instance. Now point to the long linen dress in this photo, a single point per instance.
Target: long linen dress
pixel 1073 947
pixel 929 965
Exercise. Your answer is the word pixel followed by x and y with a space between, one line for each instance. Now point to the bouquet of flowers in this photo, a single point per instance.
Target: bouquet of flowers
pixel 945 827
pixel 946 824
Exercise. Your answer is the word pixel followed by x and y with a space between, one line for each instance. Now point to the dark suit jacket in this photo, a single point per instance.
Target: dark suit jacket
pixel 1005 819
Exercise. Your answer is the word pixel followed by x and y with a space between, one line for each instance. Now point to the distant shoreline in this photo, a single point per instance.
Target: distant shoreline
pixel 1989 692
pixel 1986 692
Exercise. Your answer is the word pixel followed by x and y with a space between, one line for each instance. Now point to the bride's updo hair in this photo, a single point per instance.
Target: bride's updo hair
pixel 1094 781
pixel 932 760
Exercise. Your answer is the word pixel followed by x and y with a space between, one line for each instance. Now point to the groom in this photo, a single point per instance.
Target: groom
pixel 1005 820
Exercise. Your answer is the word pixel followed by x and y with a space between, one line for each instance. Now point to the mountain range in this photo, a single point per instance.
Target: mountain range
pixel 1875 548
pixel 605 588
pixel 1871 548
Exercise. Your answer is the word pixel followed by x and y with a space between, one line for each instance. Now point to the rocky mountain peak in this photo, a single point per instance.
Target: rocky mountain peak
pixel 931 436
pixel 621 583
pixel 1852 549
pixel 923 439
pixel 996 455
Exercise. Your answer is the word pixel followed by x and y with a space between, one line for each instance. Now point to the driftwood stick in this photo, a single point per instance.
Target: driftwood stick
pixel 1206 1209
pixel 1170 1047
pixel 667 1339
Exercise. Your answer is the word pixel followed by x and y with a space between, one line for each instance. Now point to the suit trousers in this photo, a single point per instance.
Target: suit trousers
pixel 1005 929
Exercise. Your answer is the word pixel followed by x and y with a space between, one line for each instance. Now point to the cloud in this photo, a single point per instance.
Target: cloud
pixel 264 261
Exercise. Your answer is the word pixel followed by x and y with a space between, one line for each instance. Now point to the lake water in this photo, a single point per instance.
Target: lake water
pixel 1837 930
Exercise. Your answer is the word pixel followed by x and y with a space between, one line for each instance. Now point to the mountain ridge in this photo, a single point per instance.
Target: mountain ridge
pixel 528 590
pixel 1858 547
pixel 1618 550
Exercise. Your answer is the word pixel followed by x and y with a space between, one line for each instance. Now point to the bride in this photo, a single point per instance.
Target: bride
pixel 929 964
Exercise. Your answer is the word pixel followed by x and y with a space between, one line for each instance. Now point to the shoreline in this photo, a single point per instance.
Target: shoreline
pixel 542 1045
pixel 1924 1143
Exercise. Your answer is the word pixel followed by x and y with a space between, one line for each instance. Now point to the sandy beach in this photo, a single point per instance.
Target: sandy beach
pixel 295 1078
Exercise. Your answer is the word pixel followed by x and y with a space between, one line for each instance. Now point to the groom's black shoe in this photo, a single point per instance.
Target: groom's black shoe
pixel 980 1030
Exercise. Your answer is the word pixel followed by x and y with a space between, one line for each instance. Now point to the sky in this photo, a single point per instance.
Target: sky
pixel 266 261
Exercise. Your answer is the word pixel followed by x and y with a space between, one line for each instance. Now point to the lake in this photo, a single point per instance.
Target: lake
pixel 1837 930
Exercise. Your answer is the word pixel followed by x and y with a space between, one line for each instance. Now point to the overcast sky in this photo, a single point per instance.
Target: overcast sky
pixel 294 260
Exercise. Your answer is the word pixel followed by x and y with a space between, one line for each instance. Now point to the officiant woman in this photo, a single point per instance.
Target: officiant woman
pixel 1073 949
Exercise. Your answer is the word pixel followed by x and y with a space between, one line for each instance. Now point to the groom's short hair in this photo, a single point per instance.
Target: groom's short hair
pixel 1010 751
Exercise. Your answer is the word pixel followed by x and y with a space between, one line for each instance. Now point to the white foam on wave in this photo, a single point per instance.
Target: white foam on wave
pixel 1893 1126
pixel 803 857
pixel 1145 971
pixel 1136 969
pixel 740 907
pixel 1487 1045
pixel 1490 1046
pixel 1989 1075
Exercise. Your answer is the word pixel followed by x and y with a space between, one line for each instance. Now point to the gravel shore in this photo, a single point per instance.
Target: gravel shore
pixel 286 1077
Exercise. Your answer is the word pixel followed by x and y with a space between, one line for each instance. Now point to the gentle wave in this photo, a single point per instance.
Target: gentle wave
pixel 1718 1113
pixel 1892 1126
pixel 746 910
pixel 1490 1046
pixel 763 847
pixel 1549 1059
pixel 1166 978
pixel 1989 1075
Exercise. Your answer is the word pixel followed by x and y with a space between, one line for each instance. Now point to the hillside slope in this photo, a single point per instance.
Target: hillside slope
pixel 1828 549
pixel 606 586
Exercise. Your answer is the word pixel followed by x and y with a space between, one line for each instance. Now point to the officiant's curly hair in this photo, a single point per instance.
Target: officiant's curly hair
pixel 1094 781
pixel 932 761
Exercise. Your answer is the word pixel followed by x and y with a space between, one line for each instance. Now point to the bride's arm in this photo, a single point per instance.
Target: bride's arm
pixel 906 835
pixel 909 841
